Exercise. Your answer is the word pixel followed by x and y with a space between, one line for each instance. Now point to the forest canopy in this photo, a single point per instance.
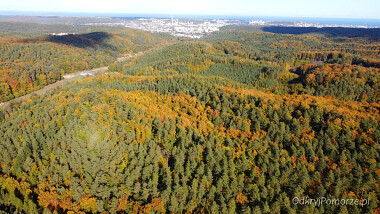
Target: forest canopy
pixel 237 122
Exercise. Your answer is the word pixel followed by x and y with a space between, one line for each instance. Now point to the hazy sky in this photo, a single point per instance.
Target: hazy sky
pixel 288 8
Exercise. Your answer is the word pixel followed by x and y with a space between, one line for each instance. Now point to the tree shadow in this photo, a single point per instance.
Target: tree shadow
pixel 81 40
pixel 373 33
pixel 88 40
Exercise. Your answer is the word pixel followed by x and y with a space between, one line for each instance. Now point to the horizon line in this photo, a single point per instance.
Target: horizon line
pixel 109 14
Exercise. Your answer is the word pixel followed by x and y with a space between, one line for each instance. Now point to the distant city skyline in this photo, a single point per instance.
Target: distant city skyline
pixel 357 9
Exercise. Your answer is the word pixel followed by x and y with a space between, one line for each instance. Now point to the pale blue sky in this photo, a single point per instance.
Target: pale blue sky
pixel 288 8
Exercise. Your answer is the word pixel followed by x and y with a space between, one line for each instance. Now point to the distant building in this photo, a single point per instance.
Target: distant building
pixel 61 34
pixel 86 74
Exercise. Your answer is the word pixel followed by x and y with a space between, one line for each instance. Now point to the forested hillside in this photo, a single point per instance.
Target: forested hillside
pixel 21 29
pixel 342 67
pixel 30 63
pixel 239 122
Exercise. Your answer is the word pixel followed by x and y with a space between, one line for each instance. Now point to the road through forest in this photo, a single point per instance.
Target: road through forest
pixel 66 79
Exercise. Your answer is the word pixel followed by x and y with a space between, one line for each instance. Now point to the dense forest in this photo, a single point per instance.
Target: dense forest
pixel 30 63
pixel 241 121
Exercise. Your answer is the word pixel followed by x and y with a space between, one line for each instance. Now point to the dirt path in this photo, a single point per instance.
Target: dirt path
pixel 67 79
